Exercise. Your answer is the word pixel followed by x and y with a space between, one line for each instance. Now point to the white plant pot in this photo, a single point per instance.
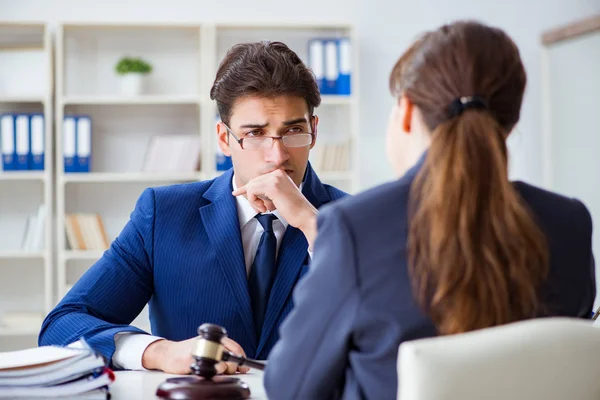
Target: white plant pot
pixel 132 84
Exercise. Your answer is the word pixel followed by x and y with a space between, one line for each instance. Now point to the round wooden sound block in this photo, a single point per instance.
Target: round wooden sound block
pixel 198 388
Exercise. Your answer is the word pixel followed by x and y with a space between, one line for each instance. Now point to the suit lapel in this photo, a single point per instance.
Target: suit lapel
pixel 293 255
pixel 222 226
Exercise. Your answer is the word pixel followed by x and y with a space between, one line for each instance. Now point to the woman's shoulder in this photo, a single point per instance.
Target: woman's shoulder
pixel 555 207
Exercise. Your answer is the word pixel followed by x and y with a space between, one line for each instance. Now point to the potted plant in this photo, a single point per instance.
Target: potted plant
pixel 132 72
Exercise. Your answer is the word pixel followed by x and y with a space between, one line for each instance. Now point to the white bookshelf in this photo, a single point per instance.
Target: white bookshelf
pixel 122 126
pixel 12 98
pixel 185 59
pixel 8 332
pixel 115 177
pixel 82 255
pixel 136 100
pixel 23 176
pixel 22 255
pixel 26 276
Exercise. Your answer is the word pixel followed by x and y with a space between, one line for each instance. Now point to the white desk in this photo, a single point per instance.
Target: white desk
pixel 138 385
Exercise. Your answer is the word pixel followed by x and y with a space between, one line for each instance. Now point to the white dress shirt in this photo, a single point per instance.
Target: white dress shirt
pixel 130 346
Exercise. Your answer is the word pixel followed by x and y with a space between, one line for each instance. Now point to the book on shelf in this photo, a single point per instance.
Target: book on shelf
pixel 33 238
pixel 75 371
pixel 172 153
pixel 85 231
pixel 331 157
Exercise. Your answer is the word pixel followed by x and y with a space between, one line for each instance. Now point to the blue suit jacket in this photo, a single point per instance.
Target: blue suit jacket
pixel 181 251
pixel 356 304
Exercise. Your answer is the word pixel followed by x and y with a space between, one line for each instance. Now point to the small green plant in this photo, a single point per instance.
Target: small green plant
pixel 128 64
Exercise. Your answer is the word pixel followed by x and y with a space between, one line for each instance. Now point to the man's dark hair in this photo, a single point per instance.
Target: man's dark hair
pixel 264 69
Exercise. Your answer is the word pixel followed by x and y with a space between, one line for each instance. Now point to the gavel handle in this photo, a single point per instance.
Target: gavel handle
pixel 227 356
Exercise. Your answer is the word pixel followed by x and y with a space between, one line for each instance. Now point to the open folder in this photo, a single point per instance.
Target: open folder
pixel 51 371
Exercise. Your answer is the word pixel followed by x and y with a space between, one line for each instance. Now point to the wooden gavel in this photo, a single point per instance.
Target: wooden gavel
pixel 207 353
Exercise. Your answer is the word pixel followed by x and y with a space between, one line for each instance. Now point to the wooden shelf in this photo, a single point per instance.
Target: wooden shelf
pixel 125 177
pixel 22 176
pixel 21 255
pixel 136 100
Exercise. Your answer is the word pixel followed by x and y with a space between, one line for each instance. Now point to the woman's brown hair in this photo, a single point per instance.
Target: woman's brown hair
pixel 477 257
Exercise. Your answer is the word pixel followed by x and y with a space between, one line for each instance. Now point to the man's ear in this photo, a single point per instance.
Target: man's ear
pixel 314 122
pixel 223 139
pixel 406 113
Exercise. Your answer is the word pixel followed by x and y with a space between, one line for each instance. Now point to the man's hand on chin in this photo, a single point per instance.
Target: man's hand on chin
pixel 276 190
pixel 176 357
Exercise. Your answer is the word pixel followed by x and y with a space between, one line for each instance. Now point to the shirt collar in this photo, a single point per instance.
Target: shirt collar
pixel 246 212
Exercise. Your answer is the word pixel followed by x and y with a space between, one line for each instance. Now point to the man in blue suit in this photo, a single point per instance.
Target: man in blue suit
pixel 227 251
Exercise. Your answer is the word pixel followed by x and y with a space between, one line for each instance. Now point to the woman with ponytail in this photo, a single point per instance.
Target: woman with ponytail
pixel 451 246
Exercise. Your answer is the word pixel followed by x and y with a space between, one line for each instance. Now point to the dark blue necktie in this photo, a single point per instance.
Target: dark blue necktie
pixel 262 273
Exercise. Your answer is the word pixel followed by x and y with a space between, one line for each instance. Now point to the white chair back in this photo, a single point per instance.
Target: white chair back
pixel 541 359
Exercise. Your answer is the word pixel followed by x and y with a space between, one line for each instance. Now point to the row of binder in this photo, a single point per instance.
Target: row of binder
pixel 22 141
pixel 77 143
pixel 331 61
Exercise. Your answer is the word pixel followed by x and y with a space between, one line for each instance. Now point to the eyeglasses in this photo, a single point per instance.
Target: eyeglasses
pixel 300 139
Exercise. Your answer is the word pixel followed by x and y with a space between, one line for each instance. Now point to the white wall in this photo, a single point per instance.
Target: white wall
pixel 385 29
pixel 389 28
pixel 574 125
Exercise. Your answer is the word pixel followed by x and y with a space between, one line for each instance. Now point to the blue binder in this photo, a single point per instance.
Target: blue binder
pixel 22 141
pixel 345 66
pixel 316 61
pixel 84 143
pixel 37 141
pixel 69 144
pixel 331 67
pixel 8 142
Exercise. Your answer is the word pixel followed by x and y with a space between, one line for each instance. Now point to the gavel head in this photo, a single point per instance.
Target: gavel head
pixel 208 351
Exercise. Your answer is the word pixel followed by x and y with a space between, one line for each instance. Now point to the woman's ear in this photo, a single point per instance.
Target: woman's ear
pixel 406 114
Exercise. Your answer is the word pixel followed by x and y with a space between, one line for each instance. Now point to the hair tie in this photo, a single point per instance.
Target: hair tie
pixel 462 103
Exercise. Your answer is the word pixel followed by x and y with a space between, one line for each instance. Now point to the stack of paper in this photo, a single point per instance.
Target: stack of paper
pixel 51 372
pixel 173 153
